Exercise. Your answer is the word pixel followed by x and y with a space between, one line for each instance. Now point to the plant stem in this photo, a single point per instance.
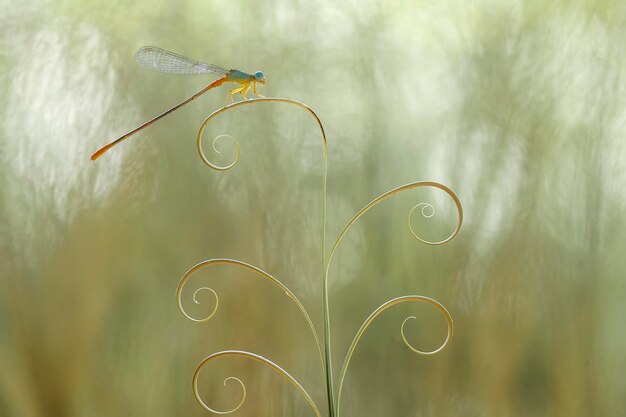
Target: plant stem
pixel 326 308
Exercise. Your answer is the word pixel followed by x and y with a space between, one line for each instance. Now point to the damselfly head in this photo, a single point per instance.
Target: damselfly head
pixel 259 77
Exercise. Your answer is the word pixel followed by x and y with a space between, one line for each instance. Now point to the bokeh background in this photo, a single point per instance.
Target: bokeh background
pixel 516 105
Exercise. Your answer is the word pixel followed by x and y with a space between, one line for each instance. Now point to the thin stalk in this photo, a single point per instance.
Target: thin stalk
pixel 326 307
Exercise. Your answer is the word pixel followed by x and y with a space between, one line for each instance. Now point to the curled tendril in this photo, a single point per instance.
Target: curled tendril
pixel 205 405
pixel 218 137
pixel 195 300
pixel 427 211
pixel 225 261
pixel 257 358
pixel 431 352
pixel 424 206
pixel 234 141
pixel 377 312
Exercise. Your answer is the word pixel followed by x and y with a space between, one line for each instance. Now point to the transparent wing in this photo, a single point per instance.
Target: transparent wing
pixel 158 59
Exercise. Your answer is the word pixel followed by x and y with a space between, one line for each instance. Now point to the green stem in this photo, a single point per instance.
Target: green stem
pixel 326 307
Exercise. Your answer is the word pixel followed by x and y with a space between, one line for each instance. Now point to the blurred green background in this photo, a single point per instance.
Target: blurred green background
pixel 516 105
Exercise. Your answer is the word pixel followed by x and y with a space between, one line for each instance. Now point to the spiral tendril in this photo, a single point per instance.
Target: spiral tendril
pixel 376 313
pixel 424 206
pixel 258 271
pixel 218 137
pixel 421 352
pixel 234 141
pixel 206 406
pixel 195 300
pixel 426 215
pixel 257 358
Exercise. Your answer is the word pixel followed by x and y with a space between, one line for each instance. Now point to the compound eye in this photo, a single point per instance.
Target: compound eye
pixel 259 75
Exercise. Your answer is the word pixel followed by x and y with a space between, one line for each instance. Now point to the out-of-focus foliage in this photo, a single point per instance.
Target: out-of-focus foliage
pixel 519 106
